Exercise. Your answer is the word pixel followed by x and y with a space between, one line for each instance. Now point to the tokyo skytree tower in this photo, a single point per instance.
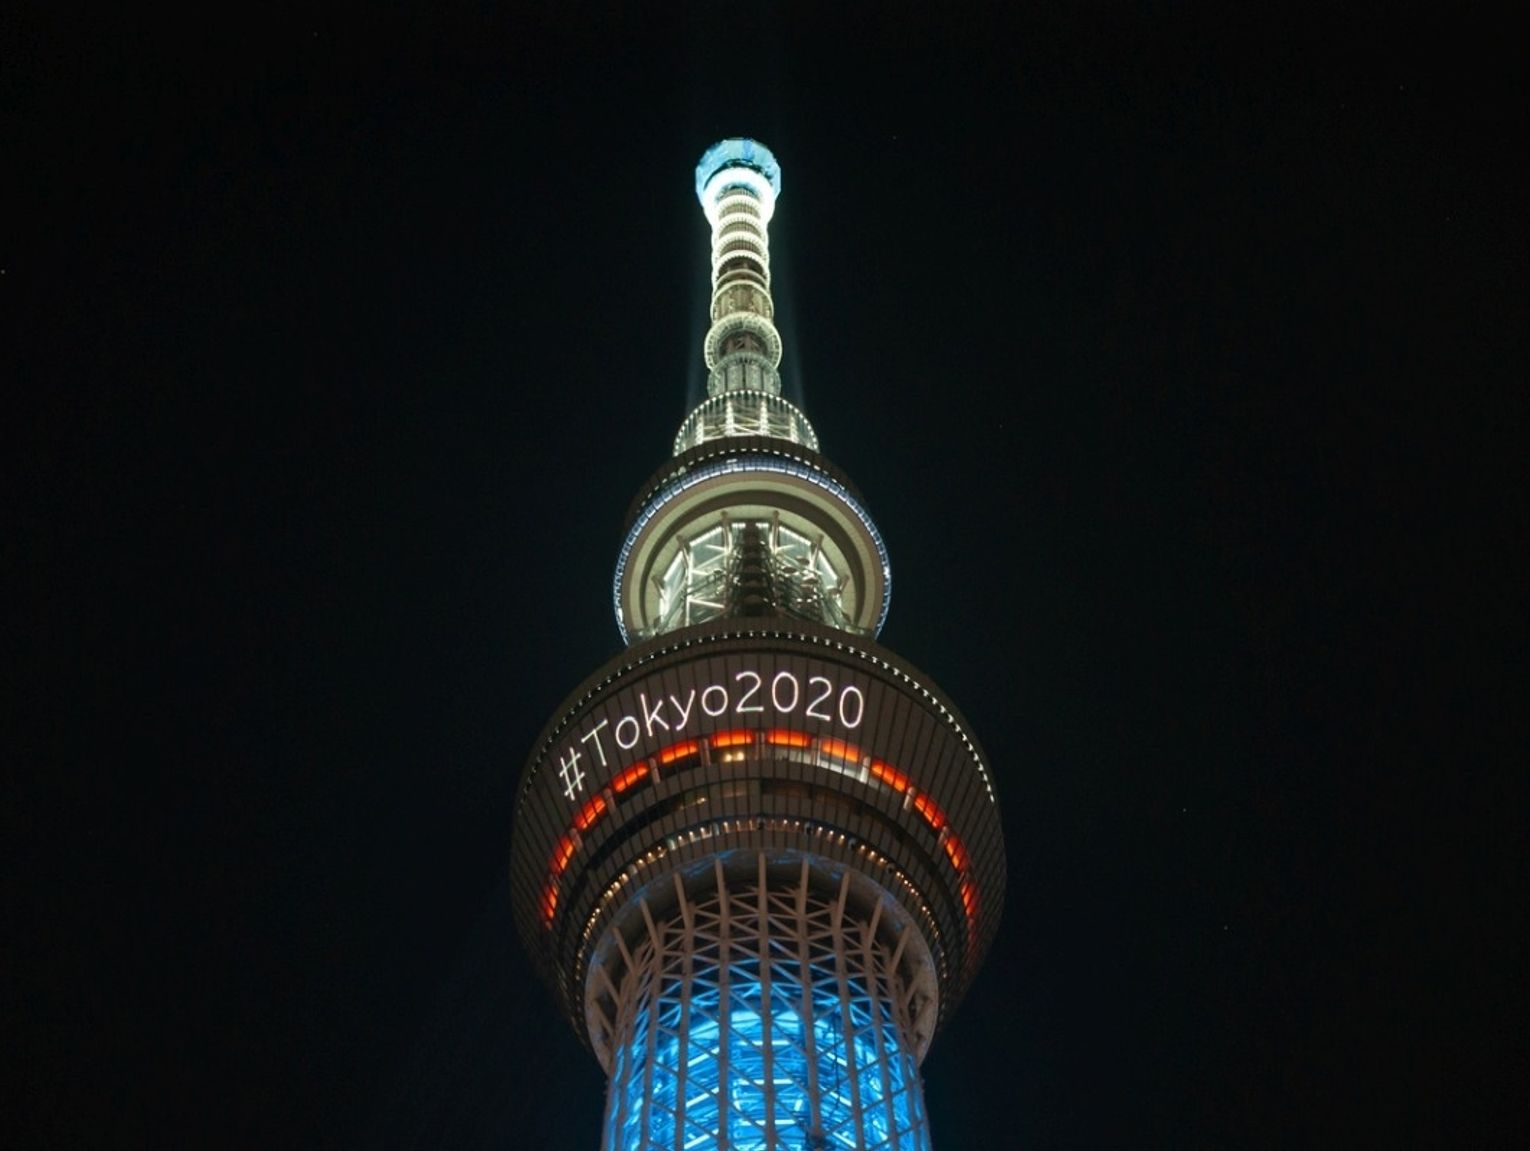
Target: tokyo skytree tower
pixel 756 856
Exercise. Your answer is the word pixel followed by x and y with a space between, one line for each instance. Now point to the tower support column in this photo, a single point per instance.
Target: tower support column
pixel 764 1011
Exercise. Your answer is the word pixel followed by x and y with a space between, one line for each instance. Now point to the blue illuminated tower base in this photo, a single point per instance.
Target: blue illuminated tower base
pixel 765 1008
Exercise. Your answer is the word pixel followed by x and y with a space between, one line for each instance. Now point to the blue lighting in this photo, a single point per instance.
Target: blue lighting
pixel 745 1080
pixel 737 153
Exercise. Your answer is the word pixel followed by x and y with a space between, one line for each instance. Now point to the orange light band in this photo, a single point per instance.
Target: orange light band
pixel 828 746
pixel 925 806
pixel 839 749
pixel 632 775
pixel 590 812
pixel 780 737
pixel 957 852
pixel 678 751
pixel 889 775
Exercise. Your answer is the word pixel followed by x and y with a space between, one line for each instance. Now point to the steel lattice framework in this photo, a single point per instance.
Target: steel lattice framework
pixel 766 1013
pixel 757 856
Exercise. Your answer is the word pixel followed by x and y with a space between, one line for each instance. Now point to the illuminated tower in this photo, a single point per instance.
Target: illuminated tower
pixel 756 855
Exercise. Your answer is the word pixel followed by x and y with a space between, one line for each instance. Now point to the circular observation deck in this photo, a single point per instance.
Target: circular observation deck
pixel 752 745
pixel 775 483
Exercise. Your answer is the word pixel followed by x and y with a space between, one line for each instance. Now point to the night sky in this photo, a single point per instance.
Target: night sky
pixel 1172 352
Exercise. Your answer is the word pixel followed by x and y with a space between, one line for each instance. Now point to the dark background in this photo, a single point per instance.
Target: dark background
pixel 1178 353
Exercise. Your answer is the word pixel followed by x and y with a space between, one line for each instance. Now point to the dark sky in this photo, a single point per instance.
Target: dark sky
pixel 1171 351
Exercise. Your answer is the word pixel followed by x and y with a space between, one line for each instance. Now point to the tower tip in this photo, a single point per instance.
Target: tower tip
pixel 738 152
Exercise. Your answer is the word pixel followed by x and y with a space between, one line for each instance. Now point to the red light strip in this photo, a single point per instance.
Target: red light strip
pixel 780 737
pixel 629 777
pixel 926 807
pixel 590 812
pixel 678 751
pixel 889 775
pixel 839 749
pixel 828 746
pixel 957 852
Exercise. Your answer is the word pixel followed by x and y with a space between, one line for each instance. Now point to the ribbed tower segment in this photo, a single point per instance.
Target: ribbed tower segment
pixel 737 183
pixel 757 855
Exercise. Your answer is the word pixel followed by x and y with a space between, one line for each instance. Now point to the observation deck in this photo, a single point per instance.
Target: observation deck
pixel 738 740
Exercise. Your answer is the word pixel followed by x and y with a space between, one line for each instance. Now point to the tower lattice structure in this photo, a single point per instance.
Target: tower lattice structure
pixel 756 855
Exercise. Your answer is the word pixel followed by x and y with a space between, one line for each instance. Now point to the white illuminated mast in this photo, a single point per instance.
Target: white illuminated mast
pixel 737 183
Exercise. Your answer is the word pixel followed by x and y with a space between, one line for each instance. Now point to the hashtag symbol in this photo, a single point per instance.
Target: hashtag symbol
pixel 573 778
